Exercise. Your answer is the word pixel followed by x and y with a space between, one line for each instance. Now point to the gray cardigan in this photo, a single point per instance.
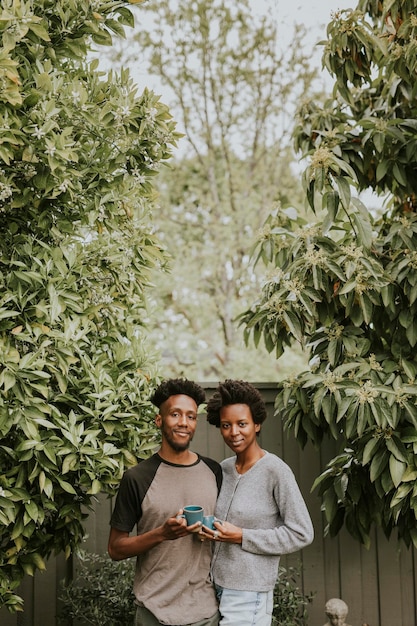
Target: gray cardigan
pixel 267 504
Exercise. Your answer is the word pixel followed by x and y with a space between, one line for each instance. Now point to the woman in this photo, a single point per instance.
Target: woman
pixel 262 512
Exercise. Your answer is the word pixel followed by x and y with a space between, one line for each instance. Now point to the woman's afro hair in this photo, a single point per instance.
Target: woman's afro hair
pixel 236 392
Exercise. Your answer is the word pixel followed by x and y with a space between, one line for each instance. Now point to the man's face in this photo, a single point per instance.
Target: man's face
pixel 177 420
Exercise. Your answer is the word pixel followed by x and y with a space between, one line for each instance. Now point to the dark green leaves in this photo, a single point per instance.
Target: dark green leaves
pixel 361 261
pixel 78 158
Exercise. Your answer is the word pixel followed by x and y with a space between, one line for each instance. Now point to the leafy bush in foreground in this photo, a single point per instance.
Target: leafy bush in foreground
pixel 101 594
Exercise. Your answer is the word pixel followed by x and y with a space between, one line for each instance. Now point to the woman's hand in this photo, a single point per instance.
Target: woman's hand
pixel 224 532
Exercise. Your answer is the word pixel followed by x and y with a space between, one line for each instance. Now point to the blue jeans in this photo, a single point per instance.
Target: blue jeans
pixel 245 608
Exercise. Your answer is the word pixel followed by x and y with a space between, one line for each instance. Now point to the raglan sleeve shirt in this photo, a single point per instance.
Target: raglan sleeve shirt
pixel 172 579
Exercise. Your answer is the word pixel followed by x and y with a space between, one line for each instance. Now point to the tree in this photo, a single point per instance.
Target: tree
pixel 79 150
pixel 233 91
pixel 345 286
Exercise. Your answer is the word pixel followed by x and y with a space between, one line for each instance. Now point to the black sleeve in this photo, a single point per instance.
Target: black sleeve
pixel 132 490
pixel 216 469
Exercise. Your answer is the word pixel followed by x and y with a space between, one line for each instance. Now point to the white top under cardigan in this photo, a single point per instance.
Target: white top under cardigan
pixel 267 504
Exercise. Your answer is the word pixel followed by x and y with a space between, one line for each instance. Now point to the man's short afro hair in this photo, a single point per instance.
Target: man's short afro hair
pixel 175 387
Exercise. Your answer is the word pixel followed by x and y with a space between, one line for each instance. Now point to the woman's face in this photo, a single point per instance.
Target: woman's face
pixel 237 427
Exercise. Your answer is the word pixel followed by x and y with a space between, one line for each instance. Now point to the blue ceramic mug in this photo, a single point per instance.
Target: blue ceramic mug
pixel 208 522
pixel 193 513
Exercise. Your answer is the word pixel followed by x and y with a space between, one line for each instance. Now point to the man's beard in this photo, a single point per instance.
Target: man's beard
pixel 176 446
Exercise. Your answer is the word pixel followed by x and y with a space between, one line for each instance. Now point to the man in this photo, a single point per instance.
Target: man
pixel 172 584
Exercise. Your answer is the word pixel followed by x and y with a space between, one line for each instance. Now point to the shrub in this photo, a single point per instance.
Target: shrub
pixel 289 600
pixel 101 594
pixel 79 152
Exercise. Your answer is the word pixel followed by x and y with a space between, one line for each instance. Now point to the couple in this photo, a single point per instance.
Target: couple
pixel 254 494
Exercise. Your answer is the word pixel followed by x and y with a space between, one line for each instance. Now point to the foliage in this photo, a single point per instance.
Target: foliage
pixel 233 90
pixel 345 284
pixel 79 151
pixel 289 600
pixel 101 594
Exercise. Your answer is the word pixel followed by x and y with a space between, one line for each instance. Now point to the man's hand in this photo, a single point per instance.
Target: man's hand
pixel 176 527
pixel 123 546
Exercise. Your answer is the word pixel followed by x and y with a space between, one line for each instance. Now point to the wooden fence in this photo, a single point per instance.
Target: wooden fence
pixel 379 585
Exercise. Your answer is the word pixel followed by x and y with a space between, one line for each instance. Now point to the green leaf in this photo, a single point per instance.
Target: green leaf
pixel 66 486
pixel 32 510
pixel 334 351
pixel 7 379
pixel 293 324
pixel 397 469
pixel 5 313
pixel 343 406
pixel 378 464
pixel 370 448
pixel 38 561
pixel 363 230
pixel 411 333
pixel 366 307
pixel 379 141
pixel 95 487
pixel 397 449
pixel 344 191
pixel 329 505
pixel 69 463
pixel 39 31
pixel 328 408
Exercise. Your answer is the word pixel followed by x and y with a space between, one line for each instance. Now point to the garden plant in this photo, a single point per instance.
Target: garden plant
pixel 344 284
pixel 78 155
pixel 101 594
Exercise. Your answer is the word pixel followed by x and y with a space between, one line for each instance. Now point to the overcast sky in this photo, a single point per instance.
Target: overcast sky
pixel 314 14
pixel 309 11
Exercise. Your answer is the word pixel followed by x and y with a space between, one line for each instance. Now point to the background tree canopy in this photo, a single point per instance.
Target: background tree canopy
pixel 234 92
pixel 79 151
pixel 345 284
